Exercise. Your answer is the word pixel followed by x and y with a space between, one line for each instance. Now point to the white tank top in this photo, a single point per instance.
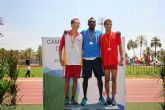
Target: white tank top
pixel 73 50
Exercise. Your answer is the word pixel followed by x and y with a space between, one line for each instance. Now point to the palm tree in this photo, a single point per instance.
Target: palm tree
pixel 12 60
pixel 155 42
pixel 141 41
pixel 162 54
pixel 147 53
pixel 132 45
pixel 148 50
pixel 9 86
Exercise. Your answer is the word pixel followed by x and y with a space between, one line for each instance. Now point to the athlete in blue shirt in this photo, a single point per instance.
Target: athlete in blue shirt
pixel 92 59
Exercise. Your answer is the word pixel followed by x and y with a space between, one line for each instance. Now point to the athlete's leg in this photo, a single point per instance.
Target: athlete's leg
pixel 100 85
pixel 87 73
pixel 66 87
pixel 98 71
pixel 85 86
pixel 107 79
pixel 74 87
pixel 114 84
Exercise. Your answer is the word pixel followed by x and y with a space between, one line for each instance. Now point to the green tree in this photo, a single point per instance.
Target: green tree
pixel 132 45
pixel 12 61
pixel 39 54
pixel 162 77
pixel 147 51
pixel 141 41
pixel 28 53
pixel 1 23
pixel 160 54
pixel 2 55
pixel 4 89
pixel 21 56
pixel 155 42
pixel 8 86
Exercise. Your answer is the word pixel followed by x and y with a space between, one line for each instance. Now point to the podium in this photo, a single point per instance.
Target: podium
pixel 95 106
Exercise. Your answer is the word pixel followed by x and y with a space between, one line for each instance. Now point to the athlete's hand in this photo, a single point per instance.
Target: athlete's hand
pixel 118 33
pixel 121 62
pixel 62 62
pixel 66 32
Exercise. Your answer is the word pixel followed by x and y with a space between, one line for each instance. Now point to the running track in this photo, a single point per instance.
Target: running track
pixel 137 90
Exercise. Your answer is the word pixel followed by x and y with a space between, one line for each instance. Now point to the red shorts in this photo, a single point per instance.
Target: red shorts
pixel 110 67
pixel 72 71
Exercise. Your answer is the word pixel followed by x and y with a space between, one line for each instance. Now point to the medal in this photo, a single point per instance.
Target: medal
pixel 91 43
pixel 109 49
pixel 108 41
pixel 91 37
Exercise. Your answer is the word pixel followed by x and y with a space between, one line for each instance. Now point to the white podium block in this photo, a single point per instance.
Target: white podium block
pixel 92 107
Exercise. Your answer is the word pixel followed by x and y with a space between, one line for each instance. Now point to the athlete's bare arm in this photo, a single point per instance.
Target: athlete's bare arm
pixel 60 56
pixel 121 55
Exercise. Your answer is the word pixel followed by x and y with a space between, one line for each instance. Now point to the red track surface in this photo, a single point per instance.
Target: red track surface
pixel 143 90
pixel 137 90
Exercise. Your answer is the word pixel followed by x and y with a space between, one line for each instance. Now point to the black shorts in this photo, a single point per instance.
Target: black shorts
pixel 27 72
pixel 92 65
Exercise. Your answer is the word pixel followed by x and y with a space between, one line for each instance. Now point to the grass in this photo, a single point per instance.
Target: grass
pixel 35 72
pixel 129 106
pixel 136 71
pixel 143 106
pixel 29 107
pixel 142 71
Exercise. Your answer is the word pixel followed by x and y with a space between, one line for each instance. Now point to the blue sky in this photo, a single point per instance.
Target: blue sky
pixel 26 21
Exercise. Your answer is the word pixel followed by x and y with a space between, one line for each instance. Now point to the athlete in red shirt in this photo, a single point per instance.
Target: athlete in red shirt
pixel 110 42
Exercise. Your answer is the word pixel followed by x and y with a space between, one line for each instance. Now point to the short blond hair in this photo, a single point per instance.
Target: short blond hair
pixel 73 20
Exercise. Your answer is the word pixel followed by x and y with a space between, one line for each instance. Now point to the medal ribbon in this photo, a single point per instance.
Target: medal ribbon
pixel 91 37
pixel 108 41
pixel 73 39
